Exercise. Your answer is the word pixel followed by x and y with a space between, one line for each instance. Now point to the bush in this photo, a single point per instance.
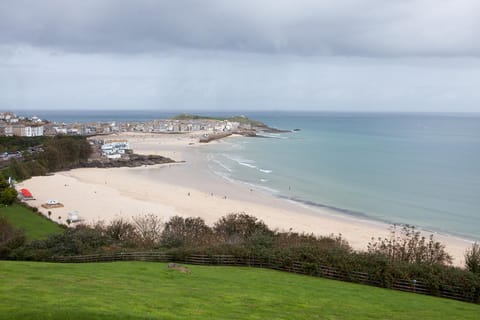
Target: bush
pixel 238 228
pixel 293 239
pixel 148 229
pixel 187 232
pixel 8 196
pixel 409 246
pixel 10 238
pixel 122 232
pixel 472 258
pixel 73 241
pixel 18 170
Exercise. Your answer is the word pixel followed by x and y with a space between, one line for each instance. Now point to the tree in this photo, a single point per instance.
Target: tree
pixel 472 258
pixel 186 232
pixel 148 229
pixel 237 228
pixel 18 170
pixel 122 231
pixel 410 246
pixel 3 184
pixel 8 196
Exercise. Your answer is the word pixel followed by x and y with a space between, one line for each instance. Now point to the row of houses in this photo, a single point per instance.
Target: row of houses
pixel 11 125
pixel 21 130
pixel 9 117
pixel 156 126
pixel 169 126
pixel 114 149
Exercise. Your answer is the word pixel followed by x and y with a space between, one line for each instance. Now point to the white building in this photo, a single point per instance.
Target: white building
pixel 35 131
pixel 27 131
pixel 114 149
pixel 59 130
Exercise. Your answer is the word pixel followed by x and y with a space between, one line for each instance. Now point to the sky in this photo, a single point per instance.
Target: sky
pixel 349 55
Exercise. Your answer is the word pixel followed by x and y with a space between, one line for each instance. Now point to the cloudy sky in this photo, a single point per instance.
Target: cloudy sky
pixel 349 55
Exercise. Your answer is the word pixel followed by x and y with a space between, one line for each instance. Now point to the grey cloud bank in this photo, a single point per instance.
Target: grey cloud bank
pixel 412 55
pixel 298 27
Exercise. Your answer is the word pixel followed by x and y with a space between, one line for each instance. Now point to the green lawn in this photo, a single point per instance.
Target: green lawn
pixel 143 290
pixel 35 226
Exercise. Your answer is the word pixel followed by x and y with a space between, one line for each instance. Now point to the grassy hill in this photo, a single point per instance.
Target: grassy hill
pixel 142 290
pixel 34 225
pixel 239 119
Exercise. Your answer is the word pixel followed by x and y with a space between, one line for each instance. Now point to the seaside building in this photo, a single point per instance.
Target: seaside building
pixel 11 125
pixel 60 130
pixel 22 130
pixel 8 117
pixel 114 149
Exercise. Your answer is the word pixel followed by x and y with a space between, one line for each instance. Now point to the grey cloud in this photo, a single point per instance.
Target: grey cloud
pixel 231 81
pixel 294 27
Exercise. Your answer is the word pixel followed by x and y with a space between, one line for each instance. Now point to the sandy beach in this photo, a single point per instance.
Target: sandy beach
pixel 190 189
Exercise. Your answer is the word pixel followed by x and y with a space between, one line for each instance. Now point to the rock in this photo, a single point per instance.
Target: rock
pixel 134 160
pixel 173 265
pixel 178 267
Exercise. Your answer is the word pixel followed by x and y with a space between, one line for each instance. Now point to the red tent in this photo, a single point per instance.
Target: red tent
pixel 26 193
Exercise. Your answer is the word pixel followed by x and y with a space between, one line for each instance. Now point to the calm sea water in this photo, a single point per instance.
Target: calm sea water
pixel 420 169
pixel 402 168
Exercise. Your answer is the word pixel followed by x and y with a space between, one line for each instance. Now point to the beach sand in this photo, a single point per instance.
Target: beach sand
pixel 190 189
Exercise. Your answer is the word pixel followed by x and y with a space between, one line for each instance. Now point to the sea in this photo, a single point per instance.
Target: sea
pixel 421 169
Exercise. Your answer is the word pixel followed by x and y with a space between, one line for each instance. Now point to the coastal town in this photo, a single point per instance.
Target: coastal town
pixel 208 129
pixel 13 125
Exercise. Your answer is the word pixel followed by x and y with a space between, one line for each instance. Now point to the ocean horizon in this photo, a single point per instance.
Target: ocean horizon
pixel 421 169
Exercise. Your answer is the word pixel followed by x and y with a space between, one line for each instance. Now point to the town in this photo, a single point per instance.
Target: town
pixel 210 129
pixel 13 125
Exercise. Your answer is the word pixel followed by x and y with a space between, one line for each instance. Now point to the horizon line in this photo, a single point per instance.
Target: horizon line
pixel 193 111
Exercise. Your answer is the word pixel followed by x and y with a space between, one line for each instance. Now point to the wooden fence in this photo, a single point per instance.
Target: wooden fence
pixel 414 285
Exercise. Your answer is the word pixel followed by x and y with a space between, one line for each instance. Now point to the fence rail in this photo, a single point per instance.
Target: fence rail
pixel 414 286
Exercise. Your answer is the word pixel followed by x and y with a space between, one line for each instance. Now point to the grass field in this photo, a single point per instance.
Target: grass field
pixel 35 226
pixel 143 290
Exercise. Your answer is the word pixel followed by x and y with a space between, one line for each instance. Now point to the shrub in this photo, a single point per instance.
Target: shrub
pixel 293 239
pixel 18 170
pixel 472 258
pixel 10 238
pixel 73 241
pixel 148 229
pixel 409 246
pixel 8 196
pixel 237 228
pixel 188 232
pixel 121 231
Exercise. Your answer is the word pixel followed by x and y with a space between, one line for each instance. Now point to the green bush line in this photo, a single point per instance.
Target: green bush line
pixel 243 236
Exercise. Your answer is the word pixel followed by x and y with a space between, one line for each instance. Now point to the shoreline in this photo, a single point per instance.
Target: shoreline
pixel 191 189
